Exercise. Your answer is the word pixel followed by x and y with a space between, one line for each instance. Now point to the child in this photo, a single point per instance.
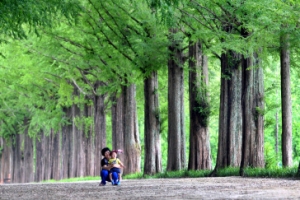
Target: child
pixel 114 160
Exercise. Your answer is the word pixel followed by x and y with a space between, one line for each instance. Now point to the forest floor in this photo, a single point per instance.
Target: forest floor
pixel 182 188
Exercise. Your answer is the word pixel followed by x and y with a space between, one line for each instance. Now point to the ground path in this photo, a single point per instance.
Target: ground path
pixel 183 188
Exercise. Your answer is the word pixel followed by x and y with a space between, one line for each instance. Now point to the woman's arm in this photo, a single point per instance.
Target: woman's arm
pixel 106 167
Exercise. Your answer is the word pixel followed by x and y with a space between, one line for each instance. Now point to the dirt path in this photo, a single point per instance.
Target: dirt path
pixel 185 188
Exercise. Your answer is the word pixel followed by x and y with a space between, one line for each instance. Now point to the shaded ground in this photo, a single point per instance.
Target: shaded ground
pixel 184 188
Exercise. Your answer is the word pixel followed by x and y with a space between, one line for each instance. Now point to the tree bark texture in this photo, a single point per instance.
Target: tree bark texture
pixel 99 137
pixel 199 154
pixel 4 160
pixel 132 156
pixel 118 123
pixel 276 136
pixel 286 102
pixel 176 131
pixel 66 147
pixel 253 107
pixel 152 161
pixel 230 120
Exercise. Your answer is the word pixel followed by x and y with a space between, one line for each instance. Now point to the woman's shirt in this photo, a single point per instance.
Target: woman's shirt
pixel 104 161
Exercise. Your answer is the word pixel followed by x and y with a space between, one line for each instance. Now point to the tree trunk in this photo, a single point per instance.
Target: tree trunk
pixel 118 123
pixel 132 147
pixel 253 107
pixel 276 136
pixel 286 102
pixel 199 154
pixel 152 161
pixel 176 130
pixel 6 158
pixel 18 159
pixel 100 128
pixel 230 120
pixel 74 145
pixel 66 146
pixel 28 158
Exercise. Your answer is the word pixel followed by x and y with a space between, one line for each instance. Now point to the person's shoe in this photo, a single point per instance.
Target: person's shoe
pixel 101 184
pixel 118 183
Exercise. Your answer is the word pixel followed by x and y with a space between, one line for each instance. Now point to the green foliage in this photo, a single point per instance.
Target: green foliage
pixel 76 179
pixel 171 174
pixel 15 13
pixel 271 172
pixel 271 159
pixel 229 171
pixel 203 109
pixel 84 123
pixel 119 42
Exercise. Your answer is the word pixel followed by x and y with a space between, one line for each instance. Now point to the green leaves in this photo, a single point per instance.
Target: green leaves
pixel 16 13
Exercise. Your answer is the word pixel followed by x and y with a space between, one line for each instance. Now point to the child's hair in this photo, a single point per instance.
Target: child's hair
pixel 113 152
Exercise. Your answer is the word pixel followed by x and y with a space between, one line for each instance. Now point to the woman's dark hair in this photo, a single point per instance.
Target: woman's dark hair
pixel 105 149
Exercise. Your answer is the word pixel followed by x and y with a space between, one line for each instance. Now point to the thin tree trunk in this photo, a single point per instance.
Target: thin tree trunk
pixel 90 147
pixel 176 130
pixel 6 157
pixel 66 146
pixel 276 136
pixel 74 145
pixel 286 102
pixel 28 158
pixel 17 159
pixel 39 176
pixel 118 123
pixel 99 130
pixel 152 159
pixel 47 155
pixel 199 154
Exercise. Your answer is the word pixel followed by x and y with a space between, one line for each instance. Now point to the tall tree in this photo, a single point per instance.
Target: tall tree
pixel 199 154
pixel 118 123
pixel 176 130
pixel 152 161
pixel 253 108
pixel 286 102
pixel 131 133
pixel 230 120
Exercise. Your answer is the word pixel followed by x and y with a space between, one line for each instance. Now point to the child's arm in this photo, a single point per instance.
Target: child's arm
pixel 121 164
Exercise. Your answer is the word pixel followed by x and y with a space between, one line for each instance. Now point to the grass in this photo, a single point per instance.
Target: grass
pixel 272 173
pixel 76 179
pixel 229 171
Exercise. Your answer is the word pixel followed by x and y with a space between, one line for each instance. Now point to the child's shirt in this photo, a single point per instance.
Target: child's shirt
pixel 114 161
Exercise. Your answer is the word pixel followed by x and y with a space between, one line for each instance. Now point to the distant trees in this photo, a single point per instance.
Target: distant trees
pixel 59 90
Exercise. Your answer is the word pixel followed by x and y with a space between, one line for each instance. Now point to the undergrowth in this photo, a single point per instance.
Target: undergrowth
pixel 229 171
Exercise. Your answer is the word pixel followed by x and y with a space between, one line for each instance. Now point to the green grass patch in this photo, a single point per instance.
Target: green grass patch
pixel 271 172
pixel 229 171
pixel 170 174
pixel 76 179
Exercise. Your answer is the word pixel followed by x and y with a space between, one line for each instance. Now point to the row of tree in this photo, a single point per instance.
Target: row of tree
pixel 59 86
